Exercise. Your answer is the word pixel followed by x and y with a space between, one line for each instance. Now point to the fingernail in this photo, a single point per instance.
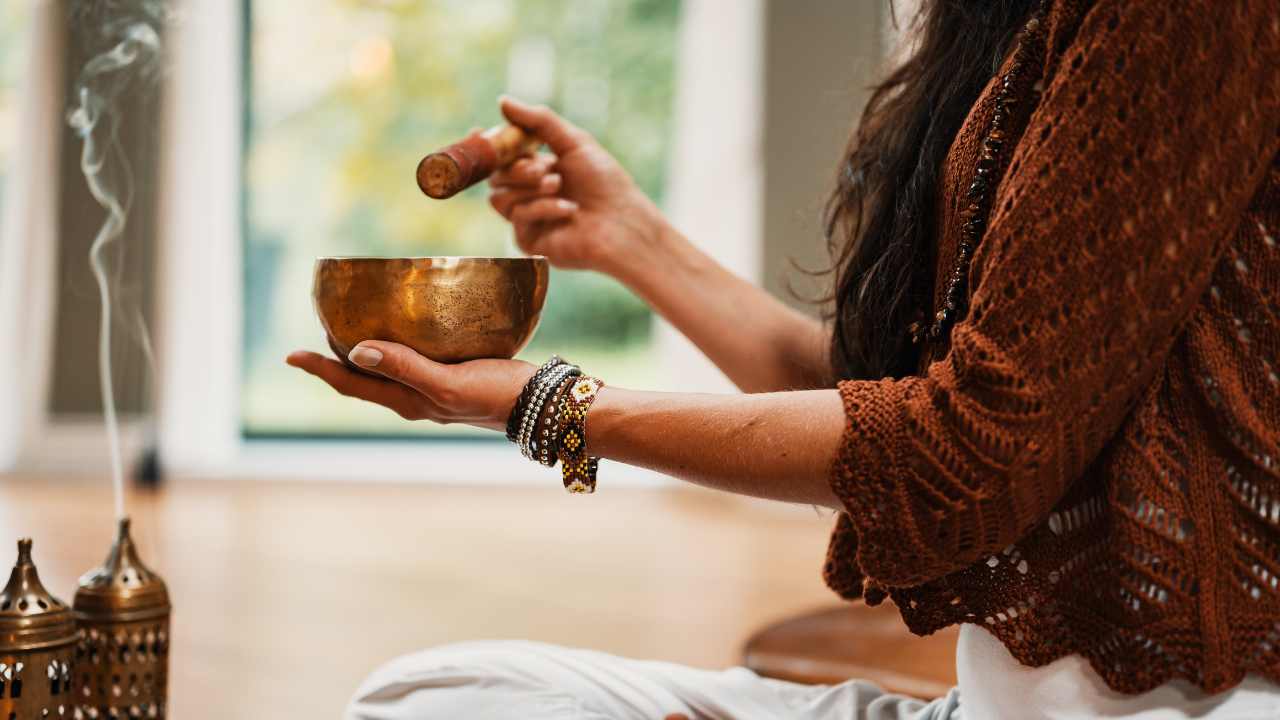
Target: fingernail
pixel 567 205
pixel 365 356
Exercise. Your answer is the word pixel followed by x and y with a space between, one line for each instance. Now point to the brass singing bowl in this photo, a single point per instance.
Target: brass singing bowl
pixel 449 309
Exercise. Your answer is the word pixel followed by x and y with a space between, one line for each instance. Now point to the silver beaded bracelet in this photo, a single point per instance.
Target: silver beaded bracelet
pixel 544 389
pixel 543 372
pixel 528 424
pixel 531 410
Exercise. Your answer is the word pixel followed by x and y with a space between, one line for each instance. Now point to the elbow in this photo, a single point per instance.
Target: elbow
pixel 943 472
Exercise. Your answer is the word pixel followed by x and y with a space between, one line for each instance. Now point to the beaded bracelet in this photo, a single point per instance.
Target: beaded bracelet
pixel 577 468
pixel 526 396
pixel 537 386
pixel 546 445
pixel 537 398
pixel 542 393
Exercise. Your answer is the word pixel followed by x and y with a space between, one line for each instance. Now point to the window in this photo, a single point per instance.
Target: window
pixel 345 97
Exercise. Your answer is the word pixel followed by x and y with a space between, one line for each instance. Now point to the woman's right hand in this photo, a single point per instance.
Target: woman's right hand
pixel 580 209
pixel 578 206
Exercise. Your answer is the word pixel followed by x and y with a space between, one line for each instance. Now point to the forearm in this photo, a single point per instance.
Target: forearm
pixel 759 342
pixel 778 446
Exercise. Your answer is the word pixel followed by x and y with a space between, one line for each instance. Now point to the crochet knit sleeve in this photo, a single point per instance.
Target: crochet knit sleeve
pixel 1153 132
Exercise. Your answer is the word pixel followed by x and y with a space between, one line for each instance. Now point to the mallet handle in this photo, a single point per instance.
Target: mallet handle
pixel 449 171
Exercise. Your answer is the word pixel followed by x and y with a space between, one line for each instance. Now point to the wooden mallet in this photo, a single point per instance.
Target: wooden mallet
pixel 449 171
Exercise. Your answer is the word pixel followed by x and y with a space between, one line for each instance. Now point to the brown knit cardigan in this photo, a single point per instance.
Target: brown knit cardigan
pixel 1092 465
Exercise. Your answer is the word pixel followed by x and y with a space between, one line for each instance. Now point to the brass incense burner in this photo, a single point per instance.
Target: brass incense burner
pixel 122 660
pixel 449 309
pixel 37 645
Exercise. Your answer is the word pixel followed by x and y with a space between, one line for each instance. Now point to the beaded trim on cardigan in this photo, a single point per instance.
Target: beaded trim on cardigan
pixel 1029 46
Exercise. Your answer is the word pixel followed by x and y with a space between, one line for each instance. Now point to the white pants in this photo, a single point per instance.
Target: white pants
pixel 533 681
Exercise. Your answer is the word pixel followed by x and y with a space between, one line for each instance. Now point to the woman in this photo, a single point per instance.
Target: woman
pixel 1046 408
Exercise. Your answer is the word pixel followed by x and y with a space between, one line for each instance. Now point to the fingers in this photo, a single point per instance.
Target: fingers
pixel 542 210
pixel 504 201
pixel 394 396
pixel 523 173
pixel 403 365
pixel 559 134
pixel 534 220
pixel 554 240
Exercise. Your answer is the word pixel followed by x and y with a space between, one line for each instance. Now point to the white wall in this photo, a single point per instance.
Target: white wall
pixel 819 59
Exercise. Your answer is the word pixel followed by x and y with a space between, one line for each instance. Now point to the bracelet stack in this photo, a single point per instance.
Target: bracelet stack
pixel 549 420
pixel 542 392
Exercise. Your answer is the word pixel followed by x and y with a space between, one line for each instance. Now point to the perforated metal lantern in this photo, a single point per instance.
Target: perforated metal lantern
pixel 122 660
pixel 37 643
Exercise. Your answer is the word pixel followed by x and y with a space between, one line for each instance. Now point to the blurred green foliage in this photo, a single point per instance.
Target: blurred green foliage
pixel 347 95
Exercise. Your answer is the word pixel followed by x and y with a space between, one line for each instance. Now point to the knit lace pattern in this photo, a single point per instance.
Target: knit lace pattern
pixel 1091 464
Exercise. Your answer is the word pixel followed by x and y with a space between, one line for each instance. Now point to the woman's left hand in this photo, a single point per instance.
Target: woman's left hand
pixel 479 392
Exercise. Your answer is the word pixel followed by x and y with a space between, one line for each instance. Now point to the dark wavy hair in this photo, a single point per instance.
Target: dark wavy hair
pixel 879 219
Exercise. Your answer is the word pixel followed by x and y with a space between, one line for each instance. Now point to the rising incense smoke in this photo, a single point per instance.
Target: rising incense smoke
pixel 124 42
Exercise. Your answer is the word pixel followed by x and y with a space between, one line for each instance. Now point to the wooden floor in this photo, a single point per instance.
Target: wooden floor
pixel 285 595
